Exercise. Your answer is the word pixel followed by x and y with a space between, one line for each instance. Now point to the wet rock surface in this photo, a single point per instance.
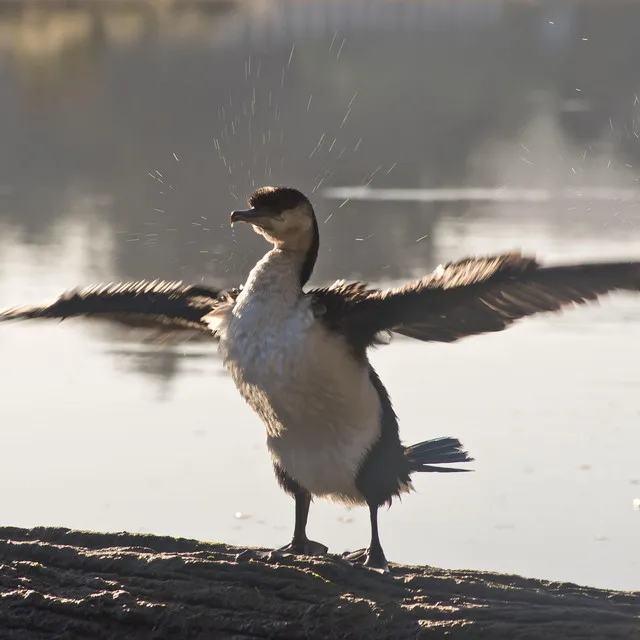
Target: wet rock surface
pixel 68 584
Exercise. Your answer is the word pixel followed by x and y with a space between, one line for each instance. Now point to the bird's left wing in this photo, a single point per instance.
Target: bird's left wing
pixel 168 307
pixel 474 296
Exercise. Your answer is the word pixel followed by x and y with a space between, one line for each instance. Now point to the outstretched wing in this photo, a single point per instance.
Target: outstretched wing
pixel 168 307
pixel 474 296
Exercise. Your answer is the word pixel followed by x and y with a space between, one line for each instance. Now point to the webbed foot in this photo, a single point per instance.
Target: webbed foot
pixel 370 558
pixel 296 547
pixel 305 547
pixel 255 554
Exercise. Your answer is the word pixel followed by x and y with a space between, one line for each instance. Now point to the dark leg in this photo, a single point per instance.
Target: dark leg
pixel 300 544
pixel 373 557
pixel 384 474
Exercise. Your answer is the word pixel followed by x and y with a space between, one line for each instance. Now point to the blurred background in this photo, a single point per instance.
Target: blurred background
pixel 424 132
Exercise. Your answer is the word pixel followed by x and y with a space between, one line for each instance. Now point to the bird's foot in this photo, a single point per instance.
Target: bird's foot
pixel 370 558
pixel 296 547
pixel 255 554
pixel 304 547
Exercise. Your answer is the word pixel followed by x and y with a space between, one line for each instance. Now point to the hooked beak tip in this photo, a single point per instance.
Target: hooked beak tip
pixel 251 215
pixel 237 216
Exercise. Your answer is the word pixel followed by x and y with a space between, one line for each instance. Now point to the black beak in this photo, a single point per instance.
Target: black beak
pixel 248 215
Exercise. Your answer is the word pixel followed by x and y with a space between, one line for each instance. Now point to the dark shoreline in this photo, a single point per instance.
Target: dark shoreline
pixel 61 583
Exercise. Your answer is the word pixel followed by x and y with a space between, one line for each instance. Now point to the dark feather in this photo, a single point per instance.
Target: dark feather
pixel 278 199
pixel 385 470
pixel 312 254
pixel 168 306
pixel 478 295
pixel 424 455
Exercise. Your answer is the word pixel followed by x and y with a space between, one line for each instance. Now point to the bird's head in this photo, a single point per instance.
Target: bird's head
pixel 283 215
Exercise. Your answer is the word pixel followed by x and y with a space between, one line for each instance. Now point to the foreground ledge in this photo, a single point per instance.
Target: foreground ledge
pixel 75 584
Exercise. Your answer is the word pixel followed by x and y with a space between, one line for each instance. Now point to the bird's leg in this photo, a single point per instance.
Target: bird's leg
pixel 373 557
pixel 300 544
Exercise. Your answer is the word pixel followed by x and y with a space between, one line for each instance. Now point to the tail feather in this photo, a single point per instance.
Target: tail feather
pixel 428 467
pixel 424 455
pixel 436 444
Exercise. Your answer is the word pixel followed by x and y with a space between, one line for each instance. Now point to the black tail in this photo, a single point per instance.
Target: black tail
pixel 423 455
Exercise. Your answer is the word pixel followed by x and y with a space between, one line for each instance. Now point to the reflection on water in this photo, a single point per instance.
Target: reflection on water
pixel 129 134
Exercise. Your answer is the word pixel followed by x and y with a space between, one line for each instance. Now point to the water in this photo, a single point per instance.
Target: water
pixel 102 433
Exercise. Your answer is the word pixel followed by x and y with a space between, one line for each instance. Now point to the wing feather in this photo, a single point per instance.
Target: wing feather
pixel 166 306
pixel 470 297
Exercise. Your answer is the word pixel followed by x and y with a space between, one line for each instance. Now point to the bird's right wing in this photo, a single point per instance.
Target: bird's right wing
pixel 167 307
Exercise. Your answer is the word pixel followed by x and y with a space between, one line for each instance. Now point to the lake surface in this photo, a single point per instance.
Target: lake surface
pixel 129 134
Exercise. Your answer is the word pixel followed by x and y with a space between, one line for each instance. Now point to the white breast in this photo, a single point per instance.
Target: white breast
pixel 321 412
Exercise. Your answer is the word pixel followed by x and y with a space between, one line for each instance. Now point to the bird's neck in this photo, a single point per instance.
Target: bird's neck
pixel 275 279
pixel 302 249
pixel 311 254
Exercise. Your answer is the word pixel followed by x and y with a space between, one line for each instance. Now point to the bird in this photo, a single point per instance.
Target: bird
pixel 299 356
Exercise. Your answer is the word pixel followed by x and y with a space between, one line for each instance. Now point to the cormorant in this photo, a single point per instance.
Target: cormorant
pixel 299 357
